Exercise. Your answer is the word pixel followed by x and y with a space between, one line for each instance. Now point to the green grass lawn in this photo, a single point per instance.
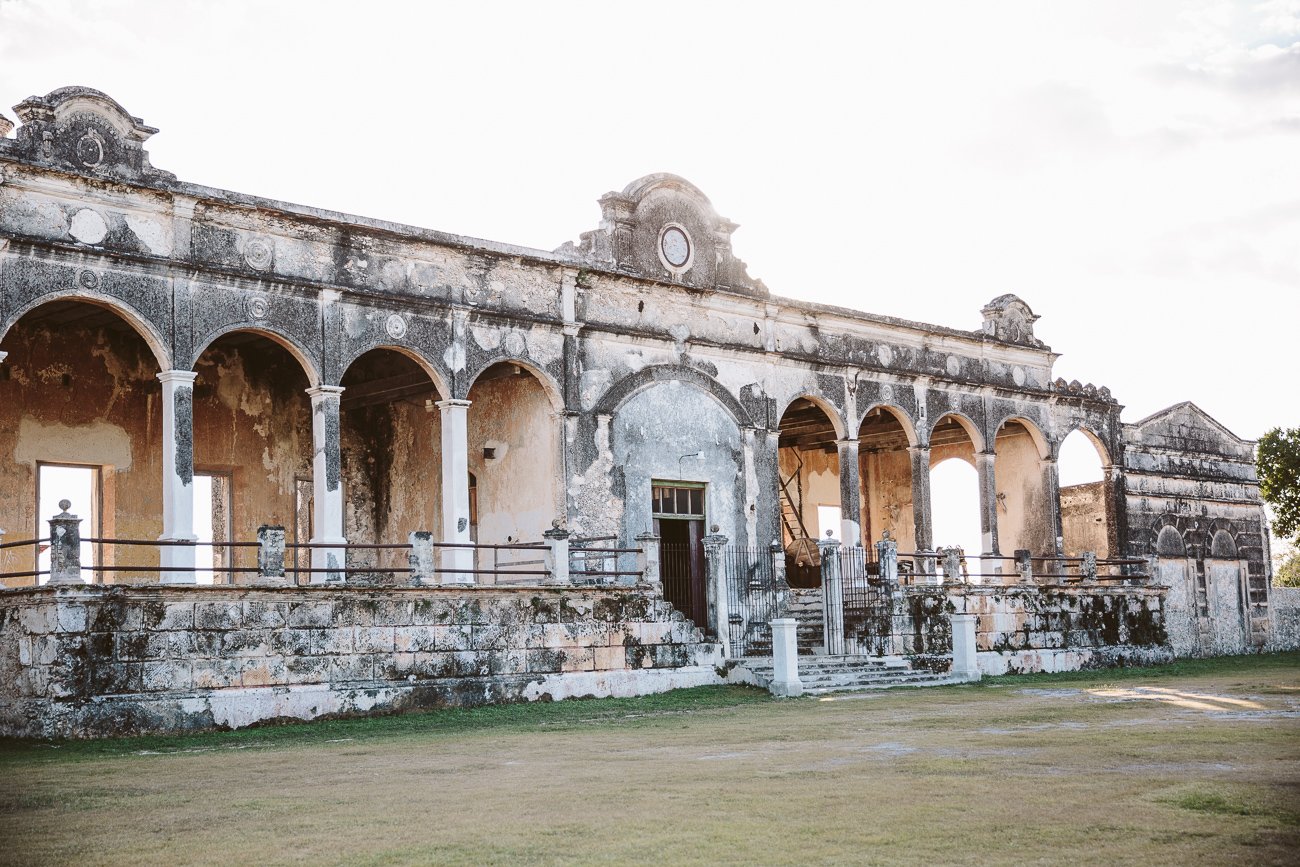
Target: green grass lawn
pixel 1197 762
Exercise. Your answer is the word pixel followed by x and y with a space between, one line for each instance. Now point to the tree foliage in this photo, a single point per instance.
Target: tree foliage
pixel 1288 574
pixel 1278 460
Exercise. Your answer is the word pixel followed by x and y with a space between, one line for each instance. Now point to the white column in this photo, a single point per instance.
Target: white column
pixel 984 464
pixel 965 662
pixel 176 562
pixel 785 658
pixel 455 492
pixel 327 485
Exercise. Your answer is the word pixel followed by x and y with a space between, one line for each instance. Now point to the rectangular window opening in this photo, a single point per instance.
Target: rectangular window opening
pixel 80 485
pixel 212 509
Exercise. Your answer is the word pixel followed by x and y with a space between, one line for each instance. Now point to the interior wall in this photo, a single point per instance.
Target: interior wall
pixel 652 432
pixel 252 419
pixel 1024 514
pixel 819 476
pixel 80 395
pixel 887 487
pixel 520 488
pixel 1083 519
pixel 390 457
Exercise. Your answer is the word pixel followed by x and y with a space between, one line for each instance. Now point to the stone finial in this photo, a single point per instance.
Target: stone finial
pixel 1010 320
pixel 65 546
pixel 6 126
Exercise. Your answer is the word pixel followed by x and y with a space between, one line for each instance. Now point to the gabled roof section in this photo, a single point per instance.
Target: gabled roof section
pixel 1188 428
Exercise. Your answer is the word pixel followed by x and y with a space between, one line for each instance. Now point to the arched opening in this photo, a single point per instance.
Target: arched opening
pixel 1085 522
pixel 253 437
pixel 808 463
pixel 1026 513
pixel 954 485
pixel 885 467
pixel 514 457
pixel 389 442
pixel 80 420
pixel 1223 546
pixel 1169 543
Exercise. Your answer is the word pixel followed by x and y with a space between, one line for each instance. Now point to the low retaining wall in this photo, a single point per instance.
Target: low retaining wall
pixel 112 660
pixel 1036 629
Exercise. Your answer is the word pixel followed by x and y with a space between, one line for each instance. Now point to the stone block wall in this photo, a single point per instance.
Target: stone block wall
pixel 1284 612
pixel 1031 629
pixel 132 659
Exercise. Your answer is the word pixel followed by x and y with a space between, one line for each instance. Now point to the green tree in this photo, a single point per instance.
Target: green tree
pixel 1278 460
pixel 1288 574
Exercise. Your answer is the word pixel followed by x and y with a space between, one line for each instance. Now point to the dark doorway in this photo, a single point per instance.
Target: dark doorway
pixel 679 522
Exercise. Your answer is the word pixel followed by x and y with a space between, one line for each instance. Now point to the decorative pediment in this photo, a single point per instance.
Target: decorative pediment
pixel 663 227
pixel 1010 320
pixel 86 131
pixel 1189 429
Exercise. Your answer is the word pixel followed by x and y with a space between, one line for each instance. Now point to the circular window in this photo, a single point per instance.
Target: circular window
pixel 676 246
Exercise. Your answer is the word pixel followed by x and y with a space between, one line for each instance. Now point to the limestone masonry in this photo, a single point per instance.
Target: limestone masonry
pixel 263 461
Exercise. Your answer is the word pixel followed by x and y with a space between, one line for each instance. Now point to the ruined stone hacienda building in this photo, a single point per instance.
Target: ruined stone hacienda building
pixel 187 361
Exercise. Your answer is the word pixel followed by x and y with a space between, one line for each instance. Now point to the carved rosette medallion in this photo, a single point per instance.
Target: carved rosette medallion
pixel 90 149
pixel 953 366
pixel 258 307
pixel 87 279
pixel 886 392
pixel 257 253
pixel 395 326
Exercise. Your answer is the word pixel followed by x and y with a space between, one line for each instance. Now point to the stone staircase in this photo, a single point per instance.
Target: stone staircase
pixel 826 674
pixel 805 607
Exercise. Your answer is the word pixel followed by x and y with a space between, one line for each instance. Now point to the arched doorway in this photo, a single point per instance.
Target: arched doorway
pixel 1026 513
pixel 80 420
pixel 1085 496
pixel 514 458
pixel 389 443
pixel 808 464
pixel 253 431
pixel 955 501
pixel 884 442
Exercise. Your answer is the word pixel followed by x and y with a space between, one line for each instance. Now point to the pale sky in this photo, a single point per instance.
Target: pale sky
pixel 1131 170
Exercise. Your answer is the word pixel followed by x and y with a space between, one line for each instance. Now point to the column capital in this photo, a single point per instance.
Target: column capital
pixel 180 377
pixel 847 441
pixel 320 392
pixel 923 448
pixel 452 403
pixel 990 454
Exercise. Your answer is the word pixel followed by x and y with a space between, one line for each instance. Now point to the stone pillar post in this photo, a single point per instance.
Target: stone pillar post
pixel 1088 568
pixel 952 565
pixel 965 662
pixel 984 464
pixel 785 658
pixel 270 555
pixel 924 539
pixel 457 563
pixel 777 551
pixel 1025 565
pixel 850 493
pixel 716 589
pixel 327 486
pixel 421 558
pixel 176 562
pixel 558 556
pixel 832 597
pixel 648 562
pixel 767 519
pixel 1052 486
pixel 887 556
pixel 65 546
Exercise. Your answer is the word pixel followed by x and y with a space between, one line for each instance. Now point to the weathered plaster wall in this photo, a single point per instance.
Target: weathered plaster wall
pixel 652 432
pixel 104 661
pixel 816 473
pixel 1284 610
pixel 887 484
pixel 519 488
pixel 82 395
pixel 1024 513
pixel 252 419
pixel 1083 519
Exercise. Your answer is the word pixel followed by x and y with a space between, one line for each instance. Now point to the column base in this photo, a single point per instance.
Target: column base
pixel 332 558
pixel 457 565
pixel 178 557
